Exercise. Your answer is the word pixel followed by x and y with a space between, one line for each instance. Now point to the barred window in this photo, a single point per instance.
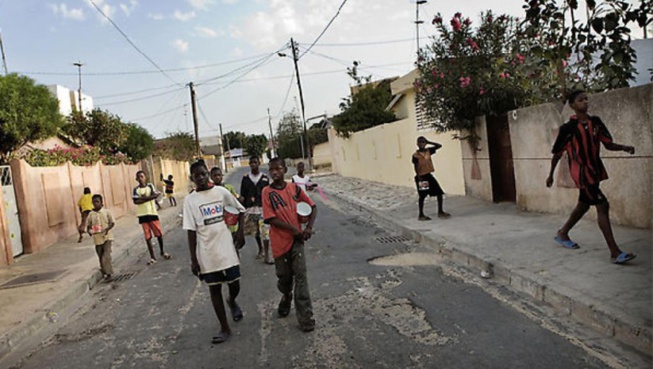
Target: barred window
pixel 424 122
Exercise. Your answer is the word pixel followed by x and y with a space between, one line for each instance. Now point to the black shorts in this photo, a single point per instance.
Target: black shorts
pixel 222 276
pixel 432 189
pixel 591 195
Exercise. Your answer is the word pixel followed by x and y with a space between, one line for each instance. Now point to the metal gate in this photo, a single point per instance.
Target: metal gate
pixel 11 209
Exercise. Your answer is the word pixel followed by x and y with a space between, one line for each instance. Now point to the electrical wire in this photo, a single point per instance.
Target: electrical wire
pixel 132 92
pixel 368 43
pixel 141 98
pixel 285 99
pixel 325 29
pixel 132 43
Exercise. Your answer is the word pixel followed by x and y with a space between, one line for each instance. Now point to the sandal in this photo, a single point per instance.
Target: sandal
pixel 423 217
pixel 166 256
pixel 444 215
pixel 623 258
pixel 236 313
pixel 151 262
pixel 221 337
pixel 568 244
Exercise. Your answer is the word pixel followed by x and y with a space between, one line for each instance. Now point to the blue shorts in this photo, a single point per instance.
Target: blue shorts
pixel 222 276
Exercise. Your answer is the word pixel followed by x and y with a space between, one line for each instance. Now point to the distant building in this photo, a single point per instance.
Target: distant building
pixel 644 50
pixel 69 100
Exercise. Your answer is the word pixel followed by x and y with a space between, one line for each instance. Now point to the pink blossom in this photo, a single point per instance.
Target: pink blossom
pixel 472 43
pixel 490 19
pixel 437 85
pixel 437 20
pixel 434 73
pixel 481 91
pixel 457 15
pixel 455 23
pixel 564 63
pixel 464 82
pixel 441 75
pixel 467 22
pixel 502 75
pixel 521 58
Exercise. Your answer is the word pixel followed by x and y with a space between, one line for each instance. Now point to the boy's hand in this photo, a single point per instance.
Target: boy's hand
pixel 239 239
pixel 298 234
pixel 629 149
pixel 549 181
pixel 195 267
pixel 308 232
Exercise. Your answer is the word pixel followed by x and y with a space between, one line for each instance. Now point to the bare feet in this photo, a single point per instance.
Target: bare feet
pixel 423 217
pixel 444 215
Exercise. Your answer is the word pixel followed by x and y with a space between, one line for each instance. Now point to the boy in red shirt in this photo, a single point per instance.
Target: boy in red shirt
pixel 581 137
pixel 287 242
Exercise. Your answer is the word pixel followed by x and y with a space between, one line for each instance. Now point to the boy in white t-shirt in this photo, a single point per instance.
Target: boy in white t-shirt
pixel 302 180
pixel 212 251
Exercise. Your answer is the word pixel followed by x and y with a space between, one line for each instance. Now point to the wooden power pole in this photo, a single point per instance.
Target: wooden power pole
pixel 194 107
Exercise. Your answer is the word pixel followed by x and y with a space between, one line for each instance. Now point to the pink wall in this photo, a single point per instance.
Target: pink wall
pixel 6 254
pixel 47 198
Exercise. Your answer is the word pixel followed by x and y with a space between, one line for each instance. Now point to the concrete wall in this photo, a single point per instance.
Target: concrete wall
pixel 383 154
pixel 476 164
pixel 627 114
pixel 47 198
pixel 180 171
pixel 322 156
pixel 6 252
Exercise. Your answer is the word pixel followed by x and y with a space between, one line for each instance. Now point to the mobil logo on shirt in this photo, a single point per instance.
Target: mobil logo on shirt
pixel 212 213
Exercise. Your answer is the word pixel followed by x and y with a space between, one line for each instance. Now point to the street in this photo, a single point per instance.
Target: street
pixel 379 302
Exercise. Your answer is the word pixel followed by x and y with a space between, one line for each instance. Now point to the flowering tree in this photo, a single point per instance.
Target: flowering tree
pixel 467 72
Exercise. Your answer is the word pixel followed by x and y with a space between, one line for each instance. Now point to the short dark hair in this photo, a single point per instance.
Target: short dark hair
pixel 197 164
pixel 139 172
pixel 277 160
pixel 170 176
pixel 215 168
pixel 87 190
pixel 253 157
pixel 573 95
pixel 98 196
pixel 421 138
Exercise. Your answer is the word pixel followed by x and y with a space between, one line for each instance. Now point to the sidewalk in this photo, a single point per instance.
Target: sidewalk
pixel 72 269
pixel 518 250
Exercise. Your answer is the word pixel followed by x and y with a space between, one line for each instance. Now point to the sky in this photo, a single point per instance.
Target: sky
pixel 139 57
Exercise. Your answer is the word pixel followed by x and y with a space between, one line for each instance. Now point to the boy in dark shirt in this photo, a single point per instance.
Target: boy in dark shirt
pixel 581 138
pixel 427 185
pixel 170 190
pixel 251 187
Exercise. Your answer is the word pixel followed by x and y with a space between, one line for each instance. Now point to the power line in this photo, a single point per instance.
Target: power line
pixel 131 43
pixel 142 98
pixel 368 43
pixel 325 29
pixel 133 92
pixel 285 99
pixel 118 73
pixel 266 57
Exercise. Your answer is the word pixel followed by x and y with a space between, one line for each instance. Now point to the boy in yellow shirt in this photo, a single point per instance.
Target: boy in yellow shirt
pixel 85 205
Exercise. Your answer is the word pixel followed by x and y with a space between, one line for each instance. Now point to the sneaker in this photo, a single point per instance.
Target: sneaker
pixel 308 326
pixel 284 305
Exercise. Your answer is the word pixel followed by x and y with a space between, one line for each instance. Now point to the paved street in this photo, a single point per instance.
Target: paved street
pixel 400 310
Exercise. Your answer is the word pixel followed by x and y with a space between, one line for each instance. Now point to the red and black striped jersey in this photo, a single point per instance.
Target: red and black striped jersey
pixel 582 142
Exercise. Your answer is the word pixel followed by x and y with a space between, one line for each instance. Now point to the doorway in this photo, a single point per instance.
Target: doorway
pixel 501 164
pixel 7 182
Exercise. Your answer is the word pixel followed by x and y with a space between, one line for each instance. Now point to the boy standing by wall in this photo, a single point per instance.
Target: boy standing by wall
pixel 427 185
pixel 212 251
pixel 100 222
pixel 170 190
pixel 280 211
pixel 251 187
pixel 144 196
pixel 581 138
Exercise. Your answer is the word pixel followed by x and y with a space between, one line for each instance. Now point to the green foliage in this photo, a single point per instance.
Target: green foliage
pixel 28 112
pixel 99 129
pixel 234 140
pixel 256 145
pixel 595 55
pixel 178 146
pixel 82 156
pixel 365 108
pixel 469 72
pixel 317 135
pixel 139 143
pixel 289 133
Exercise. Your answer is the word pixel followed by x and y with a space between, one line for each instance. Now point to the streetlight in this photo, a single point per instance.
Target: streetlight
pixel 418 21
pixel 79 91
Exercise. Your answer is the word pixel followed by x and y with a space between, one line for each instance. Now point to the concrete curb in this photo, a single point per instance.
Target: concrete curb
pixel 19 335
pixel 563 300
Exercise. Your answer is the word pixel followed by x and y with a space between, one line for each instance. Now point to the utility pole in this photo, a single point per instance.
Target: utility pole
pixel 301 99
pixel 271 134
pixel 197 134
pixel 222 160
pixel 4 60
pixel 418 22
pixel 79 91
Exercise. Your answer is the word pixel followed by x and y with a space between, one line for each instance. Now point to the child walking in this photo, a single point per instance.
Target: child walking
pixel 581 138
pixel 251 188
pixel 287 240
pixel 212 251
pixel 144 196
pixel 85 205
pixel 427 185
pixel 303 180
pixel 170 190
pixel 100 223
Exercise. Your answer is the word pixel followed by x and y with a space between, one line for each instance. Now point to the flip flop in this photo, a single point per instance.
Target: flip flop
pixel 236 313
pixel 623 258
pixel 151 262
pixel 568 244
pixel 166 256
pixel 221 337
